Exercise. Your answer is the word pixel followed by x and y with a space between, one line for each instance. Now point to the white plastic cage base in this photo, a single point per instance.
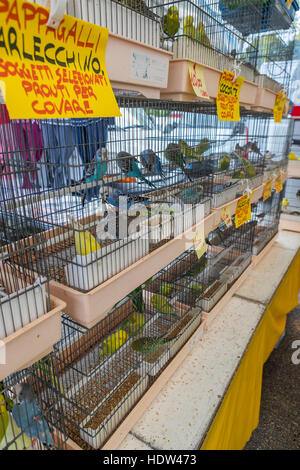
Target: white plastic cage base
pixel 225 196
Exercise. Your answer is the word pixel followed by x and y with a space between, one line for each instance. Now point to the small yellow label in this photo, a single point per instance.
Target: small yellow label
pixel 197 80
pixel 243 210
pixel 225 216
pixel 289 3
pixel 278 106
pixel 267 190
pixel 228 98
pixel 278 184
pixel 199 242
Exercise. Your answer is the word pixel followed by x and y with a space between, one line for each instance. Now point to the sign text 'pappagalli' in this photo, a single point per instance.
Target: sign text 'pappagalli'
pixel 52 73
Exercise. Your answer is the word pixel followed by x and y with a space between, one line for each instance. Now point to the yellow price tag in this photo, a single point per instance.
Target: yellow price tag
pixel 197 80
pixel 225 216
pixel 278 106
pixel 243 210
pixel 292 156
pixel 199 242
pixel 278 184
pixel 53 73
pixel 228 98
pixel 267 190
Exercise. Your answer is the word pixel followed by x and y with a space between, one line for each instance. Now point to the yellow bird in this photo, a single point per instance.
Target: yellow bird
pixel 171 22
pixel 201 35
pixel 113 342
pixel 189 28
pixel 14 435
pixel 85 242
pixel 3 417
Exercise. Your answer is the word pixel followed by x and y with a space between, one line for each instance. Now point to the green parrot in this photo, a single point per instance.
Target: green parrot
pixel 166 288
pixel 149 344
pixel 248 166
pixel 174 156
pixel 198 267
pixel 201 147
pixel 162 305
pixel 9 402
pixel 170 22
pixel 134 324
pixel 224 163
pixel 189 28
pixel 201 35
pixel 185 149
pixel 196 288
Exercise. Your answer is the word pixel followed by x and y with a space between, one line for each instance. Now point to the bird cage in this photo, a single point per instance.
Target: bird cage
pixel 266 214
pixel 102 372
pixel 30 414
pixel 191 33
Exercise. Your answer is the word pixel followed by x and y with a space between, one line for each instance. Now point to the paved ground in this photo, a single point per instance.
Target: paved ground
pixel 279 426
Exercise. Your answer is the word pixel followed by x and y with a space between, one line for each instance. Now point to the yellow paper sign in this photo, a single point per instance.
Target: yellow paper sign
pixel 199 242
pixel 225 216
pixel 267 190
pixel 278 184
pixel 243 210
pixel 52 73
pixel 228 98
pixel 289 3
pixel 278 106
pixel 198 80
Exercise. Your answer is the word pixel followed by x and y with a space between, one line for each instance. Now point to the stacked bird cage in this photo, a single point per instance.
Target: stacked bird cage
pixel 191 32
pixel 278 147
pixel 30 414
pixel 266 214
pixel 100 373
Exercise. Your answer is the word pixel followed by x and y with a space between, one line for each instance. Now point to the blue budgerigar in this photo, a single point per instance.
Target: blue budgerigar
pixel 29 418
pixel 128 164
pixel 96 170
pixel 151 162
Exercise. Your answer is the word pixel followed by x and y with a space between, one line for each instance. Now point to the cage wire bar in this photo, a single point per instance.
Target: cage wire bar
pixel 267 215
pixel 31 412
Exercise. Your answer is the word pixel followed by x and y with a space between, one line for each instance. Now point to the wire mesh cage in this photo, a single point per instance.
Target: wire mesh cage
pixel 30 414
pixel 190 32
pixel 254 16
pixel 266 214
pixel 100 373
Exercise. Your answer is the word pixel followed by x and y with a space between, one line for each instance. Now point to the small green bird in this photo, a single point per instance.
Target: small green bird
pixel 149 344
pixel 166 288
pixel 201 35
pixel 185 149
pixel 189 28
pixel 201 147
pixel 170 22
pixel 162 305
pixel 224 163
pixel 248 166
pixel 196 288
pixel 134 324
pixel 174 156
pixel 198 267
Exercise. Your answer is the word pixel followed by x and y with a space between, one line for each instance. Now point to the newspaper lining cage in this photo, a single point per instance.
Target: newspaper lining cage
pixel 102 372
pixel 190 32
pixel 267 215
pixel 30 413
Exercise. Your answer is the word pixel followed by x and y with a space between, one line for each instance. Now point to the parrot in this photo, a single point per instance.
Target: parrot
pixel 166 288
pixel 96 170
pixel 189 28
pixel 29 418
pixel 174 155
pixel 85 243
pixel 14 439
pixel 224 163
pixel 186 150
pixel 248 166
pixel 113 342
pixel 196 288
pixel 201 35
pixel 3 417
pixel 128 164
pixel 134 324
pixel 202 146
pixel 9 402
pixel 162 305
pixel 149 344
pixel 198 267
pixel 151 162
pixel 137 298
pixel 170 22
pixel 285 203
pixel 240 174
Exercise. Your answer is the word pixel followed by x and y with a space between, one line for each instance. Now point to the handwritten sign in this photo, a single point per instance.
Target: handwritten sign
pixel 267 190
pixel 51 73
pixel 225 216
pixel 243 210
pixel 278 106
pixel 199 242
pixel 197 80
pixel 228 98
pixel 278 184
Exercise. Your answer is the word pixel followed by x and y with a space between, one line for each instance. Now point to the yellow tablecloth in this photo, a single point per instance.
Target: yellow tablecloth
pixel 238 414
